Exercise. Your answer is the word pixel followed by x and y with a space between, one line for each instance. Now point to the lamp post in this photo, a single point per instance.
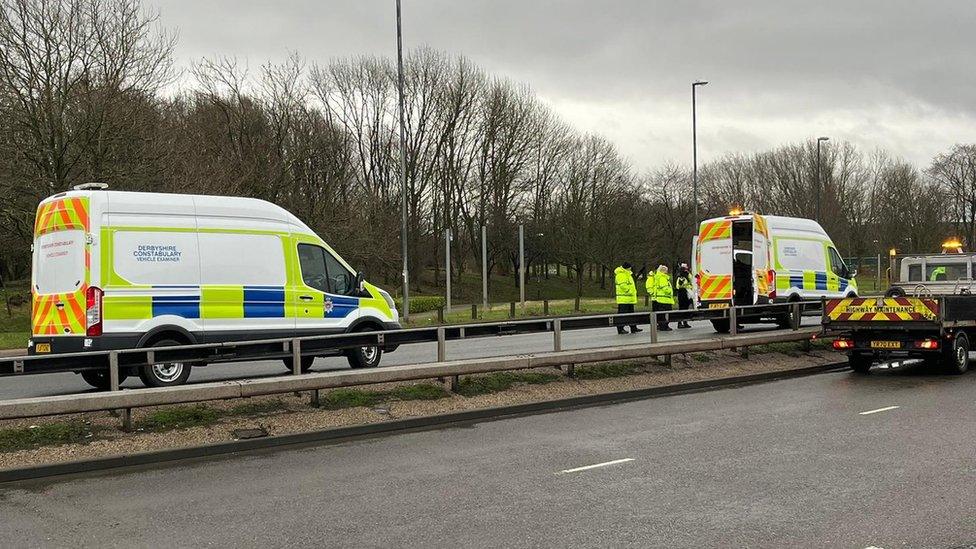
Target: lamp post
pixel 819 183
pixel 403 170
pixel 694 146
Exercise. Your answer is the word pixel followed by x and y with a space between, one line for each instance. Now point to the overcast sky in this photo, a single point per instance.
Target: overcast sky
pixel 892 74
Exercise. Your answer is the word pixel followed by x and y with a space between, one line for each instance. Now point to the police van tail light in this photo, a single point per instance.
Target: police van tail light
pixel 843 343
pixel 771 281
pixel 93 311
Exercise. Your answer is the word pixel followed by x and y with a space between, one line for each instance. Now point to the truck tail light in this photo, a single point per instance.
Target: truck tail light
pixel 93 311
pixel 842 343
pixel 928 344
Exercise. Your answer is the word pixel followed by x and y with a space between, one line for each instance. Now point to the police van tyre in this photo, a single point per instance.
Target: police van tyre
pixel 364 357
pixel 100 379
pixel 956 358
pixel 860 363
pixel 165 374
pixel 306 363
pixel 721 325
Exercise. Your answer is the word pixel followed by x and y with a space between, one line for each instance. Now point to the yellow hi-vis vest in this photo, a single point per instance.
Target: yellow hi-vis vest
pixel 659 288
pixel 625 287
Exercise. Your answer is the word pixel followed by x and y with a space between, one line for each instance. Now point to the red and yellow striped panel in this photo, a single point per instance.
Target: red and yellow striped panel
pixel 714 287
pixel 714 230
pixel 885 309
pixel 61 314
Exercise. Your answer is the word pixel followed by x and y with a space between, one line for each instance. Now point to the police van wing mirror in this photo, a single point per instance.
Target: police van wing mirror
pixel 360 279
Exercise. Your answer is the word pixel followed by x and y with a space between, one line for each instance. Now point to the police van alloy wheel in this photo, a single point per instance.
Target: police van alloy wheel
pixel 860 363
pixel 306 363
pixel 165 374
pixel 100 379
pixel 956 358
pixel 364 357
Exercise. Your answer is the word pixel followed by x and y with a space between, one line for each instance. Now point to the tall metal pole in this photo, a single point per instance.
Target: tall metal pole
pixel 484 266
pixel 403 170
pixel 447 265
pixel 522 266
pixel 694 149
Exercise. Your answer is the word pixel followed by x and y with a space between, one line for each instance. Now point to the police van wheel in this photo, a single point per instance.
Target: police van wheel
pixel 956 358
pixel 306 363
pixel 721 325
pixel 165 374
pixel 364 357
pixel 99 379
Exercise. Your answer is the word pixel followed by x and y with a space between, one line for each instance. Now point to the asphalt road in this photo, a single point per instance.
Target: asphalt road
pixel 794 463
pixel 69 383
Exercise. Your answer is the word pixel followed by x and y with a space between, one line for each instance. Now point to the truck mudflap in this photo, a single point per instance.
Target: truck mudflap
pixel 881 309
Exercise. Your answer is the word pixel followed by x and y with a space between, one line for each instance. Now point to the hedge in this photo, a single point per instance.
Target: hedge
pixel 423 303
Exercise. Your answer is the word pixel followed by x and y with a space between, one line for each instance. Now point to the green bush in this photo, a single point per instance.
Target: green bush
pixel 422 303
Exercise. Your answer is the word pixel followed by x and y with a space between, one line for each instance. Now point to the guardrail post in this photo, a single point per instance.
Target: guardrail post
pixel 653 327
pixel 557 335
pixel 474 311
pixel 113 371
pixel 441 345
pixel 570 370
pixel 545 307
pixel 296 356
pixel 314 401
pixel 511 310
pixel 440 315
pixel 455 384
pixel 733 324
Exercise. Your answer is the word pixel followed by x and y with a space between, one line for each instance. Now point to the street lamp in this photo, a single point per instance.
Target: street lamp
pixel 403 170
pixel 819 184
pixel 694 148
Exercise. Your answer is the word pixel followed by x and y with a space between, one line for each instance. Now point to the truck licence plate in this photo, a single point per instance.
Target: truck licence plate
pixel 42 348
pixel 886 344
pixel 718 305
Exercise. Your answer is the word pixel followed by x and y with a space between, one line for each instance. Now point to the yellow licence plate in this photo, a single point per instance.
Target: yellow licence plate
pixel 718 305
pixel 886 344
pixel 42 348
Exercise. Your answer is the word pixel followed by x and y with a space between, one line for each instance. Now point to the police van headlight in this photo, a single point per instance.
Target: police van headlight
pixel 389 300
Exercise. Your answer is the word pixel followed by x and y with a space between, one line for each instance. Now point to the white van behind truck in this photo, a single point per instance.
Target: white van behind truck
pixel 752 259
pixel 119 270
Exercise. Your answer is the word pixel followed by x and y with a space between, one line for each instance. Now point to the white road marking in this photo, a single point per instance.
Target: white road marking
pixel 594 466
pixel 885 409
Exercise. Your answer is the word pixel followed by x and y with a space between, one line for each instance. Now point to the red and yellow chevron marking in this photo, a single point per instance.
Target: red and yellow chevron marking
pixel 714 287
pixel 759 224
pixel 59 215
pixel 715 230
pixel 47 317
pixel 884 309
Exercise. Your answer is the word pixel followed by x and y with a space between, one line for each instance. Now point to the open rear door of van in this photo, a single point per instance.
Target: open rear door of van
pixel 765 277
pixel 59 278
pixel 713 263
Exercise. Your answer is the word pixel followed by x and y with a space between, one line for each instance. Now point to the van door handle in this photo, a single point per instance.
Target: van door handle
pixel 305 297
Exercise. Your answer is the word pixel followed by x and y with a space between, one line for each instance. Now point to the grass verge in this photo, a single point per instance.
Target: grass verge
pixel 500 381
pixel 44 435
pixel 610 369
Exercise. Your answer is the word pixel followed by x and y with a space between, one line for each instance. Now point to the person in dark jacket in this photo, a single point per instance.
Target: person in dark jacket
pixel 683 285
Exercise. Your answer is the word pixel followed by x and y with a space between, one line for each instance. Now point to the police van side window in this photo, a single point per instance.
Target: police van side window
pixel 312 261
pixel 836 263
pixel 340 279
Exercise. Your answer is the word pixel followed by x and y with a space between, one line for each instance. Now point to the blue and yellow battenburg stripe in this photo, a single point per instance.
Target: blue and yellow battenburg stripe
pixel 810 280
pixel 241 302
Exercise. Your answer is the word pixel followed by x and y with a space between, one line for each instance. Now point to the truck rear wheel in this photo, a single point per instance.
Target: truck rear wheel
pixel 165 374
pixel 860 363
pixel 956 357
pixel 306 363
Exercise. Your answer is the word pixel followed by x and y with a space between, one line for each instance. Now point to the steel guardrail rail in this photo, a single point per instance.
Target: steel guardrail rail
pixel 295 347
pixel 138 398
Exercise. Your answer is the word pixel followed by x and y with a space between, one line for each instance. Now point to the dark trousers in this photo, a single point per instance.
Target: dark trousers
pixel 684 300
pixel 623 308
pixel 661 322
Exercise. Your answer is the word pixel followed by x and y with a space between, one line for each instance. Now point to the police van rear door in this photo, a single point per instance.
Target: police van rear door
pixel 713 263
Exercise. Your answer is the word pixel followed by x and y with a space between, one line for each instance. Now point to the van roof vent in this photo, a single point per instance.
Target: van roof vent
pixel 91 187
